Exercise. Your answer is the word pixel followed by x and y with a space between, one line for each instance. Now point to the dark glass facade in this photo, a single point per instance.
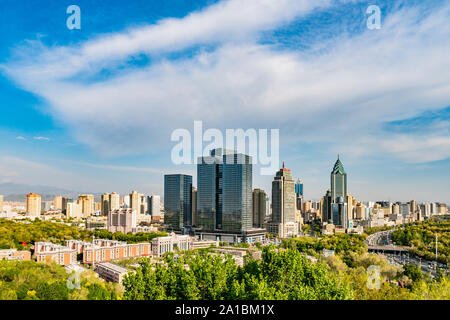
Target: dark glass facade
pixel 224 192
pixel 338 182
pixel 335 201
pixel 177 201
pixel 299 189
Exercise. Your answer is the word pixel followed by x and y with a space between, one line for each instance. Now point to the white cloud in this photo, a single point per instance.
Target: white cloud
pixel 20 138
pixel 340 95
pixel 41 138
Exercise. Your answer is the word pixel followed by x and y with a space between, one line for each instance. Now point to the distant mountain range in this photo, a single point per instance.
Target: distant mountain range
pixel 18 192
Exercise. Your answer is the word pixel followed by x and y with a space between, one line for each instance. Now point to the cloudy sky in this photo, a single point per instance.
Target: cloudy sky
pixel 93 110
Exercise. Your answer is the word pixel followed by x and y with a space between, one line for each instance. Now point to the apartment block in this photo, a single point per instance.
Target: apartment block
pixel 123 220
pixel 50 252
pixel 106 250
pixel 13 254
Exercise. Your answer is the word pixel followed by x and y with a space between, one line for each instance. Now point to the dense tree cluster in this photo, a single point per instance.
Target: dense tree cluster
pixel 30 280
pixel 280 274
pixel 421 237
pixel 340 243
pixel 13 234
pixel 129 237
pixel 373 230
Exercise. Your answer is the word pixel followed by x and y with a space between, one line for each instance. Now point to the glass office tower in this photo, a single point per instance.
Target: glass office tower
pixel 177 201
pixel 338 182
pixel 224 191
pixel 335 201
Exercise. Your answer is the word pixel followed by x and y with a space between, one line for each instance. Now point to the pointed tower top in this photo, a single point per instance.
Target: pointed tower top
pixel 283 164
pixel 338 167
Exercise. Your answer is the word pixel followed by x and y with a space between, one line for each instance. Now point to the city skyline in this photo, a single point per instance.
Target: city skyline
pixel 75 120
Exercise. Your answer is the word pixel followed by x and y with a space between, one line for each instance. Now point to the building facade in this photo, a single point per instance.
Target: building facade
pixel 162 245
pixel 87 204
pixel 123 220
pixel 224 192
pixel 259 208
pixel 177 201
pixel 284 205
pixel 33 205
pixel 335 209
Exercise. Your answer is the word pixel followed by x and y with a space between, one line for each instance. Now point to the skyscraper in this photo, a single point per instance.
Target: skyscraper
pixel 154 205
pixel 105 204
pixel 194 206
pixel 135 202
pixel 283 204
pixel 335 206
pixel 65 201
pixel 177 201
pixel 114 201
pixel 33 205
pixel 57 203
pixel 224 195
pixel 123 220
pixel 338 181
pixel 299 194
pixel 87 204
pixel 259 207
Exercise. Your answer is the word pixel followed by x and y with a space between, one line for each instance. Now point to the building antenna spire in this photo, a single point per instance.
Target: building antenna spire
pixel 283 164
pixel 338 156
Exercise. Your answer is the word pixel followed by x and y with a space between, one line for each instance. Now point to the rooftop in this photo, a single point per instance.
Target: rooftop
pixel 113 267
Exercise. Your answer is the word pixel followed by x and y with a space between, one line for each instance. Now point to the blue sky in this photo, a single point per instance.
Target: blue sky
pixel 92 110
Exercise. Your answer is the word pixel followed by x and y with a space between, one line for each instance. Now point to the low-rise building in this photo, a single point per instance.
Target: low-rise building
pixel 161 245
pixel 201 244
pixel 111 272
pixel 50 252
pixel 13 254
pixel 106 250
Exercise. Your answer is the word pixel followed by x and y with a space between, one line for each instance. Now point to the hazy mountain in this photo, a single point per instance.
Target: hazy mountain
pixel 18 192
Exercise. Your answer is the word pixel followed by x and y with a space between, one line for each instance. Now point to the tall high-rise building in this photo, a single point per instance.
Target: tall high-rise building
pixel 33 205
pixel 105 204
pixel 122 220
pixel 224 192
pixel 283 204
pixel 299 194
pixel 194 206
pixel 259 207
pixel 360 211
pixel 57 203
pixel 335 207
pixel 135 202
pixel 338 181
pixel 434 208
pixel 114 201
pixel 74 209
pixel 65 201
pixel 177 201
pixel 87 204
pixel 154 205
pixel 126 201
pixel 143 204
